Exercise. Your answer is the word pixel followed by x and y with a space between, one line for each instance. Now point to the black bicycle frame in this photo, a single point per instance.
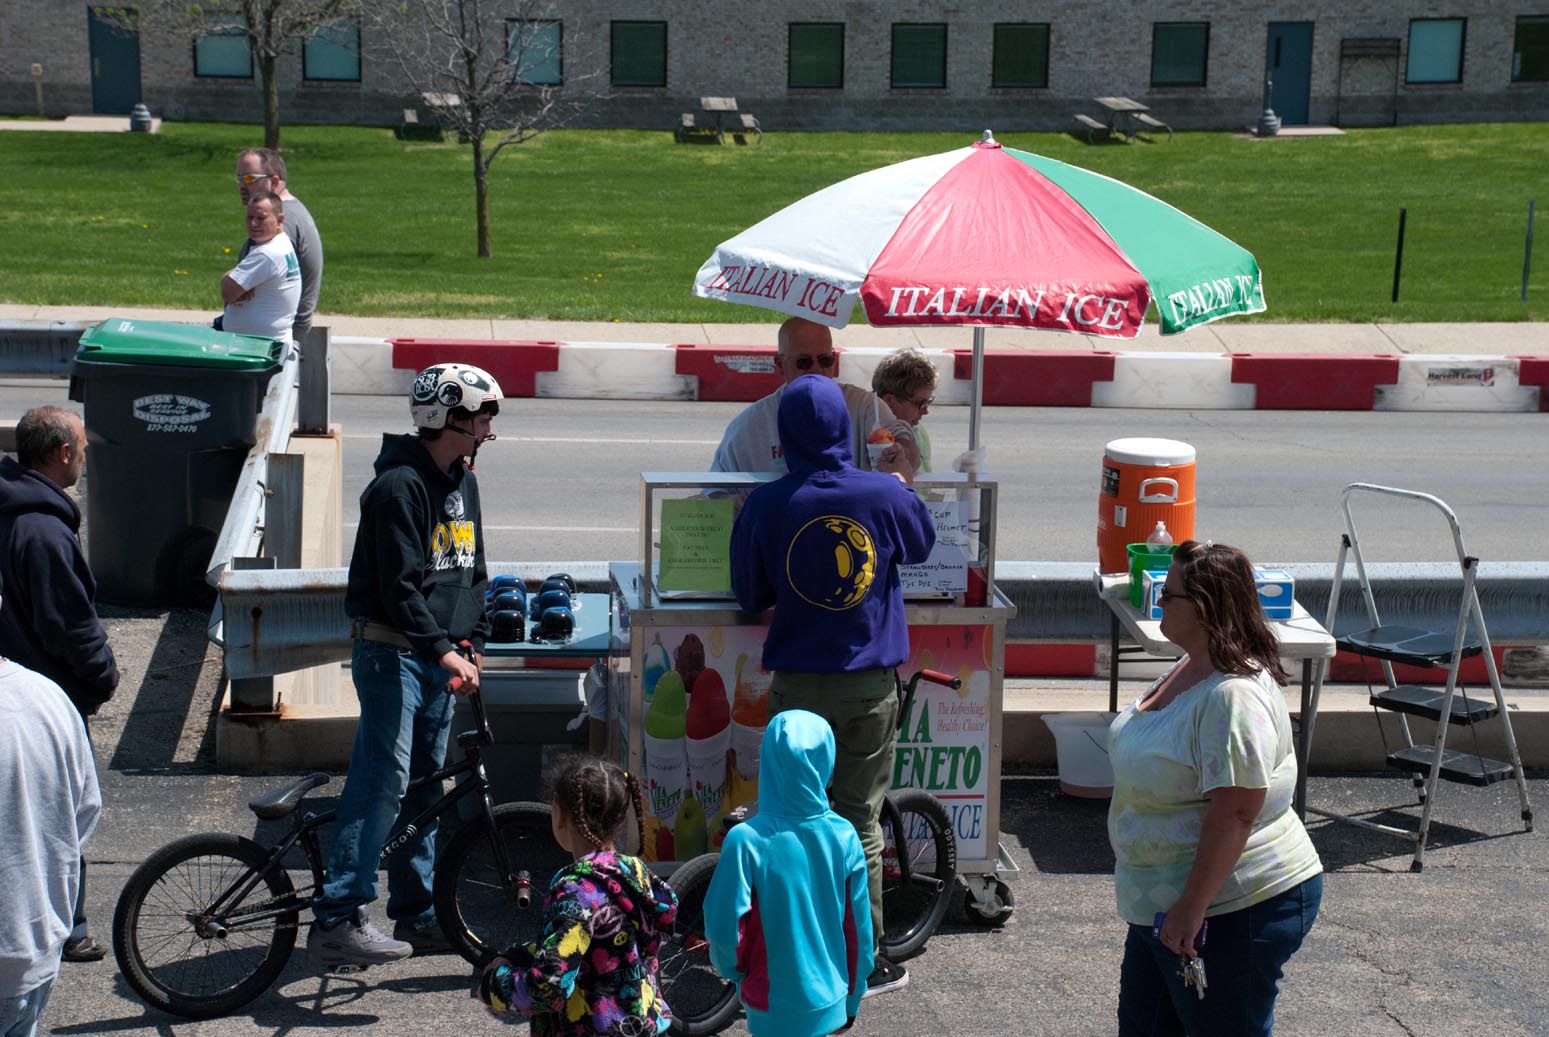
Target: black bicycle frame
pixel 304 829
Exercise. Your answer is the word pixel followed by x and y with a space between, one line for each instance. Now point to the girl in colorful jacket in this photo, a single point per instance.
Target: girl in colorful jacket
pixel 594 969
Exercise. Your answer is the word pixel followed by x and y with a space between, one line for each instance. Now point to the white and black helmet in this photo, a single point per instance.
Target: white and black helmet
pixel 446 387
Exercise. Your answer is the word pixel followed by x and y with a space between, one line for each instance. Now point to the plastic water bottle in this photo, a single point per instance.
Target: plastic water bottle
pixel 1159 536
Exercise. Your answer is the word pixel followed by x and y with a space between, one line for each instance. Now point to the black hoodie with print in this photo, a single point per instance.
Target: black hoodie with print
pixel 418 564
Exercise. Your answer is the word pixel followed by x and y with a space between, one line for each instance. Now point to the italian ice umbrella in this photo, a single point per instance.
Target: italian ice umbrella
pixel 986 236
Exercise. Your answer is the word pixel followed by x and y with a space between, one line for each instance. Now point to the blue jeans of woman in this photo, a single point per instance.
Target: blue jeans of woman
pixel 1244 955
pixel 405 713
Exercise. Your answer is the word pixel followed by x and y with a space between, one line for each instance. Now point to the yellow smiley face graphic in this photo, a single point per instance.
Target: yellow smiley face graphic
pixel 831 562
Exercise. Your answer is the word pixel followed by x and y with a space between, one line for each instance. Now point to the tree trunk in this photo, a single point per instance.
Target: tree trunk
pixel 481 195
pixel 271 103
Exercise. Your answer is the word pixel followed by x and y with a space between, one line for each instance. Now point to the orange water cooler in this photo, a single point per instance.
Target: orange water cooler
pixel 1145 481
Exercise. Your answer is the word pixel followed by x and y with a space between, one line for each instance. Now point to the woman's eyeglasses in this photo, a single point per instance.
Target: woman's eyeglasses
pixel 1166 595
pixel 804 363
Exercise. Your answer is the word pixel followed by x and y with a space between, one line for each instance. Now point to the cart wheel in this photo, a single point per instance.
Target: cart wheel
pixel 1001 905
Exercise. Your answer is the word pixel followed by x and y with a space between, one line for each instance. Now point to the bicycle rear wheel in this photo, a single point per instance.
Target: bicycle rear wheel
pixel 911 911
pixel 482 910
pixel 182 956
pixel 702 1002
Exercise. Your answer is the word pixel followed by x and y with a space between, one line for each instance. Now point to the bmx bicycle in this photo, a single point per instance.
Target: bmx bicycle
pixel 919 870
pixel 208 922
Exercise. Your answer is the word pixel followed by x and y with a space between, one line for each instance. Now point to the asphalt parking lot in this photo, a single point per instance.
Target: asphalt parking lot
pixel 1456 949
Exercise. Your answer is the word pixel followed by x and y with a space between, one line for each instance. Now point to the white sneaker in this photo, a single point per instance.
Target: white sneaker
pixel 354 941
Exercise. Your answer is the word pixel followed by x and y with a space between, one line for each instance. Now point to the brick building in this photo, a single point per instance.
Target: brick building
pixel 859 65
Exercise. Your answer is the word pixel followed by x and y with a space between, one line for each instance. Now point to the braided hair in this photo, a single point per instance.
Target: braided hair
pixel 598 795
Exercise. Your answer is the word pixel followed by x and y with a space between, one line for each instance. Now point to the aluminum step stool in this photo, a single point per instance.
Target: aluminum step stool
pixel 1391 644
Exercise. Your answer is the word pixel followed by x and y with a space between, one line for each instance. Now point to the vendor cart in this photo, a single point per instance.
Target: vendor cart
pixel 688 696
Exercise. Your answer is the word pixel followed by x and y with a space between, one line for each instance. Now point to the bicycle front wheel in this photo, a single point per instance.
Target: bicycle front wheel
pixel 184 955
pixel 911 911
pixel 701 1001
pixel 484 909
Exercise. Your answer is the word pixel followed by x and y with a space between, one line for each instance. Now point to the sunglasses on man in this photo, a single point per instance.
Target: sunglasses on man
pixel 804 363
pixel 249 179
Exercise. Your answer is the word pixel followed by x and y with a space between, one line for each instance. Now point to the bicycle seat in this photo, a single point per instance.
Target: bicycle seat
pixel 272 806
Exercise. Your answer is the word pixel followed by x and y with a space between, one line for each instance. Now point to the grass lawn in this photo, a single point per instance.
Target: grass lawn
pixel 612 225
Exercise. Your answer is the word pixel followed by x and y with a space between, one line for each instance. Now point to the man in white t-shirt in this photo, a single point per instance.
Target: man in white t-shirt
pixel 262 291
pixel 752 439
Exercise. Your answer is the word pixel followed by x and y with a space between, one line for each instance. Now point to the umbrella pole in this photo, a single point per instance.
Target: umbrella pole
pixel 978 389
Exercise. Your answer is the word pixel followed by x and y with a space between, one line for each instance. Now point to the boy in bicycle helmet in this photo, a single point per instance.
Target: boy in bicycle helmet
pixel 593 971
pixel 792 872
pixel 823 546
pixel 416 589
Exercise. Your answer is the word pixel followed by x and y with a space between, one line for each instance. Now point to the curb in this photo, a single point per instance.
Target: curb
pixel 1012 377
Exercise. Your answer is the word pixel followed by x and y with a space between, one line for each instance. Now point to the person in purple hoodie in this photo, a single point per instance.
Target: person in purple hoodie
pixel 823 545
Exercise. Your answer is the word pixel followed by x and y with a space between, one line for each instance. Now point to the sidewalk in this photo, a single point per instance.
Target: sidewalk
pixel 1226 365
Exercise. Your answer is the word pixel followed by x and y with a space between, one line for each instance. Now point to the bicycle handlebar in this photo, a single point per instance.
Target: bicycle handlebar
pixel 937 677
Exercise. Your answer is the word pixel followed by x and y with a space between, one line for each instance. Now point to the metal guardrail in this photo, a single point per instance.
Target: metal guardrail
pixel 40 347
pixel 290 619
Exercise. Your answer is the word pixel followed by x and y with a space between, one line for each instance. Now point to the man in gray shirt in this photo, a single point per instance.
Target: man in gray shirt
pixel 263 169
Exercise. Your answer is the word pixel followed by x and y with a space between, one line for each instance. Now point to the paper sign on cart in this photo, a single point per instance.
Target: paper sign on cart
pixel 696 545
pixel 946 570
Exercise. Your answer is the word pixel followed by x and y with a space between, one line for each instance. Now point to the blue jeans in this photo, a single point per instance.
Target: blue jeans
pixel 19 1015
pixel 405 713
pixel 1244 954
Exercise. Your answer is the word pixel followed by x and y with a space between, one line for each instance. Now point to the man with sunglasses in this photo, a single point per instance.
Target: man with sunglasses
pixel 261 169
pixel 751 442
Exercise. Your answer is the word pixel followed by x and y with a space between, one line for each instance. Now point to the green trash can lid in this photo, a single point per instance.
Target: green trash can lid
pixel 121 340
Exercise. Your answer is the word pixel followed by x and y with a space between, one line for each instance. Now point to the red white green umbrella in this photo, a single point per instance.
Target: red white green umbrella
pixel 986 236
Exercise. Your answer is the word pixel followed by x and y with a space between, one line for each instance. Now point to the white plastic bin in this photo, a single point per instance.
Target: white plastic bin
pixel 1081 746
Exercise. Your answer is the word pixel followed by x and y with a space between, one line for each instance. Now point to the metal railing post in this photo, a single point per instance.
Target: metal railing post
pixel 312 413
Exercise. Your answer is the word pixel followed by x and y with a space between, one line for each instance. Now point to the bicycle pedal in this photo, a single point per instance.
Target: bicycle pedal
pixel 347 968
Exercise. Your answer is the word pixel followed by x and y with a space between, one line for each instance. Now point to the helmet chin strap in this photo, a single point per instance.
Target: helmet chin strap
pixel 478 440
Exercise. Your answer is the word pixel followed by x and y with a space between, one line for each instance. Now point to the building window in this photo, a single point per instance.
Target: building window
pixel 815 55
pixel 919 55
pixel 223 50
pixel 1435 50
pixel 1178 53
pixel 1021 55
pixel 1530 51
pixel 639 53
pixel 534 50
pixel 333 52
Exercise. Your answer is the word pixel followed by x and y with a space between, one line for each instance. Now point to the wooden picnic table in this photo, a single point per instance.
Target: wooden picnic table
pixel 719 107
pixel 1125 108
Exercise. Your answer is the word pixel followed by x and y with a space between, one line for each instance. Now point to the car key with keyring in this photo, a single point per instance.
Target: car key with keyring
pixel 1191 967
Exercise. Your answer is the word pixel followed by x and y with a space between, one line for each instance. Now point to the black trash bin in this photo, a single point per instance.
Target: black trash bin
pixel 171 412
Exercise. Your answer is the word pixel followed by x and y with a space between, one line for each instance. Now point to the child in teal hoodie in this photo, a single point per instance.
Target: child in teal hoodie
pixel 792 872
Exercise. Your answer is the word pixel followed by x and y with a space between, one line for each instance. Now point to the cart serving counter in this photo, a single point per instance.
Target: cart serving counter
pixel 688 698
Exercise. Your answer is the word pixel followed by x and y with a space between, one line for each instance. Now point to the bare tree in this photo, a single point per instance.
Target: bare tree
pixel 491 70
pixel 270 27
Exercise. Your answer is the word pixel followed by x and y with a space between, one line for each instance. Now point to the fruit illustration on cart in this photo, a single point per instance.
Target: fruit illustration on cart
pixel 666 759
pixel 708 727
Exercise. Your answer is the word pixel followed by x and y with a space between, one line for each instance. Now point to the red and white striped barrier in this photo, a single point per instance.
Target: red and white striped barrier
pixel 1012 377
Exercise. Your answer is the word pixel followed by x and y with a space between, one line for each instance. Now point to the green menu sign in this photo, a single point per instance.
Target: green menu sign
pixel 696 545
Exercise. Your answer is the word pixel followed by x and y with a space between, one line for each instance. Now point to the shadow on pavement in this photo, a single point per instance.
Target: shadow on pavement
pixel 1063 834
pixel 171 688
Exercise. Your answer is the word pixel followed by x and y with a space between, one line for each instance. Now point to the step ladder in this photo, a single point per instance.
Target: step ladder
pixel 1391 643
